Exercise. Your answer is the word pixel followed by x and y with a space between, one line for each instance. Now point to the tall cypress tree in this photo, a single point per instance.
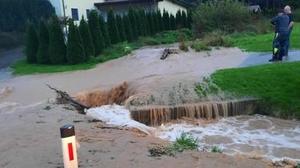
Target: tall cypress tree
pixel 172 22
pixel 120 25
pixel 143 21
pixel 97 36
pixel 42 54
pixel 127 28
pixel 160 21
pixel 104 30
pixel 178 19
pixel 75 49
pixel 166 20
pixel 154 22
pixel 32 43
pixel 112 27
pixel 138 22
pixel 184 19
pixel 150 23
pixel 86 37
pixel 57 47
pixel 133 22
pixel 189 19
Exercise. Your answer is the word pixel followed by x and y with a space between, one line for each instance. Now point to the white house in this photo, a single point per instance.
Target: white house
pixel 76 8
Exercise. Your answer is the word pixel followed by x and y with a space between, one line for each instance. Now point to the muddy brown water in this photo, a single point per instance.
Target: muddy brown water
pixel 157 115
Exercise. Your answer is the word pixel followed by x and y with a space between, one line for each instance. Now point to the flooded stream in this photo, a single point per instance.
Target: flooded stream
pixel 255 136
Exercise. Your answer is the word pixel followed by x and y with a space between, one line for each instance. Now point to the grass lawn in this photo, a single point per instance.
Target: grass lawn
pixel 278 85
pixel 23 68
pixel 263 43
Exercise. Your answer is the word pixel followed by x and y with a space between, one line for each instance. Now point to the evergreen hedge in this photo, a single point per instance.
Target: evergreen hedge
pixel 86 39
pixel 48 46
pixel 75 49
pixel 57 47
pixel 42 53
pixel 32 43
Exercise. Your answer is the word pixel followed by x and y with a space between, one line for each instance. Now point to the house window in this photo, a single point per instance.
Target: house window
pixel 75 14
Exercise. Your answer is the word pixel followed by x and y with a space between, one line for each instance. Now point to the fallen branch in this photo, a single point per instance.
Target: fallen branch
pixel 167 52
pixel 65 98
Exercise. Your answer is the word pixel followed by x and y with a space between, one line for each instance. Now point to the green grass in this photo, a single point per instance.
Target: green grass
pixel 216 149
pixel 278 85
pixel 116 51
pixel 184 142
pixel 263 42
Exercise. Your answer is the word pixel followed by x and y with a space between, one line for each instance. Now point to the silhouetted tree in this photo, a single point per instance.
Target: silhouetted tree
pixel 43 53
pixel 57 47
pixel 86 37
pixel 97 36
pixel 32 43
pixel 75 49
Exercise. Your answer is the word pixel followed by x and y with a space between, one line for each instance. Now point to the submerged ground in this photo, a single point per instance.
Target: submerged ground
pixel 28 121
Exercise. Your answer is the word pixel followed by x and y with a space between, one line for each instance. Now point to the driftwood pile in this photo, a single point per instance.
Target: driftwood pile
pixel 65 98
pixel 167 52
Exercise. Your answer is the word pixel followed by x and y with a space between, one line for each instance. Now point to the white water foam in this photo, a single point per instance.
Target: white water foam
pixel 117 115
pixel 234 133
pixel 243 134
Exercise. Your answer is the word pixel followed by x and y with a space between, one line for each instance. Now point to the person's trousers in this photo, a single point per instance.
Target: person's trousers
pixel 288 44
pixel 283 39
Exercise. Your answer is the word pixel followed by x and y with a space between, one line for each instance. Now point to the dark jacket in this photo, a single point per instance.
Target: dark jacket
pixel 281 23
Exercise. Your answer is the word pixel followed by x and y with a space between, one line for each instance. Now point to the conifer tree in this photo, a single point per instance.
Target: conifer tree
pixel 154 22
pixel 86 37
pixel 112 27
pixel 97 36
pixel 75 49
pixel 166 20
pixel 189 19
pixel 104 30
pixel 160 21
pixel 128 28
pixel 32 43
pixel 172 22
pixel 120 25
pixel 178 19
pixel 42 53
pixel 57 47
pixel 142 22
pixel 133 21
pixel 184 19
pixel 150 23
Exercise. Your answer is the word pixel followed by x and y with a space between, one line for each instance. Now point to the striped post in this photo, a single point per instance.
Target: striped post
pixel 68 140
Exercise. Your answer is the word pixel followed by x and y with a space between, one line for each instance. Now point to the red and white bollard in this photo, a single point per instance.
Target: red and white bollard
pixel 69 149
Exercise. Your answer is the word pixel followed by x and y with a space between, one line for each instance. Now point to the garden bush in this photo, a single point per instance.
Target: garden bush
pixel 297 15
pixel 198 46
pixel 217 38
pixel 225 15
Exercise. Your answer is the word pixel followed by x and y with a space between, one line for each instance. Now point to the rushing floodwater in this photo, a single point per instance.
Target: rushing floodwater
pixel 258 136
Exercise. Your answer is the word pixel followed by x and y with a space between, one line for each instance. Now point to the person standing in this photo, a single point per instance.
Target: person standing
pixel 288 12
pixel 281 22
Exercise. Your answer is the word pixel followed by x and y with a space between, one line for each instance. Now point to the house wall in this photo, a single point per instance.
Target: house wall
pixel 81 5
pixel 84 5
pixel 170 7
